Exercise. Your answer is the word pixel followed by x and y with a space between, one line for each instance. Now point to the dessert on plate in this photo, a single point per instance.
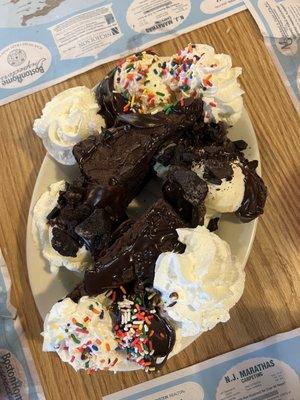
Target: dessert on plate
pixel 151 281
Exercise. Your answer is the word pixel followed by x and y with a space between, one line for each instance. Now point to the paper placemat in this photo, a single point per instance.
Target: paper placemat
pixel 279 23
pixel 267 370
pixel 18 375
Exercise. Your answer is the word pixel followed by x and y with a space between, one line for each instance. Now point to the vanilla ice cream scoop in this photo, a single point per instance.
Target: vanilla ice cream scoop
pixel 200 286
pixel 226 197
pixel 68 118
pixel 42 232
pixel 81 334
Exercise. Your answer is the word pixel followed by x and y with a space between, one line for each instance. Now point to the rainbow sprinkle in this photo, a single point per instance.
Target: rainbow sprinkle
pixel 133 334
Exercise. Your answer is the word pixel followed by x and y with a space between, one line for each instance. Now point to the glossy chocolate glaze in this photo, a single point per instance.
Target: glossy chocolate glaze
pixel 255 196
pixel 132 257
pixel 162 332
pixel 162 345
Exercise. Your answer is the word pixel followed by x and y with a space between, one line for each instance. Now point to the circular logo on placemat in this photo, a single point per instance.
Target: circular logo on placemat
pixel 23 63
pixel 16 57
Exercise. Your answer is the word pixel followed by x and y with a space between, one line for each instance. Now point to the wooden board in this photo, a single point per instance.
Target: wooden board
pixel 270 303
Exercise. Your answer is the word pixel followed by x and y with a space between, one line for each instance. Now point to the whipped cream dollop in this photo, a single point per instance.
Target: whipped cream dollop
pixel 81 334
pixel 152 83
pixel 200 286
pixel 228 196
pixel 68 118
pixel 42 231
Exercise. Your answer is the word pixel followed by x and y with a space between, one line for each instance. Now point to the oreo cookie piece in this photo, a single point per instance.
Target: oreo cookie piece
pixel 63 243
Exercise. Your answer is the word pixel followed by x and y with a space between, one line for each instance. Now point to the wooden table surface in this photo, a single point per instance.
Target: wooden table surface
pixel 270 303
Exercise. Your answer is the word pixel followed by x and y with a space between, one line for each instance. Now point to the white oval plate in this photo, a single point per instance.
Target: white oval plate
pixel 47 289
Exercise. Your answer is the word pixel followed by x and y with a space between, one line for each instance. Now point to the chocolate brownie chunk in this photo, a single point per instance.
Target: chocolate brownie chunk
pixel 121 158
pixel 186 192
pixel 215 170
pixel 95 230
pixel 132 257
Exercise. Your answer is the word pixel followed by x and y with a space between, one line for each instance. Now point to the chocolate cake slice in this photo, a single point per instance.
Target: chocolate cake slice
pixel 114 166
pixel 120 157
pixel 132 257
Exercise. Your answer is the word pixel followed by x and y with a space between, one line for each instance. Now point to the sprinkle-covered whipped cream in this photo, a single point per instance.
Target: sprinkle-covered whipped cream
pixel 81 334
pixel 199 286
pixel 42 230
pixel 198 71
pixel 228 196
pixel 68 118
pixel 151 83
pixel 139 79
